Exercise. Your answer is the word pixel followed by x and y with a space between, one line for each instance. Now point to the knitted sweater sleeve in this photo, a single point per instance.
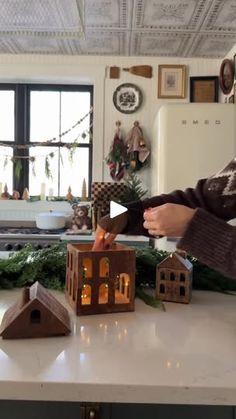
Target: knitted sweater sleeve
pixel 131 222
pixel 212 241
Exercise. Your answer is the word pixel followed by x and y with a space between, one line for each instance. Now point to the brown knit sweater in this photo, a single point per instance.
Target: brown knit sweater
pixel 208 236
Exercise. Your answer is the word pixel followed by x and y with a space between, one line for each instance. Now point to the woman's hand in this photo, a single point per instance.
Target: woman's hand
pixel 103 240
pixel 168 220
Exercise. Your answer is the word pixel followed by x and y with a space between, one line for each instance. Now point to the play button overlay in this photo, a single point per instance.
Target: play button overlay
pixel 116 209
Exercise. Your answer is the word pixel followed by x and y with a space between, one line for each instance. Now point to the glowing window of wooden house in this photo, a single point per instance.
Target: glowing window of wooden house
pixel 162 274
pixel 172 276
pixel 104 267
pixel 182 277
pixel 86 295
pixel 74 286
pixel 35 316
pixel 162 289
pixel 87 268
pixel 103 294
pixel 122 289
pixel 182 291
pixel 70 260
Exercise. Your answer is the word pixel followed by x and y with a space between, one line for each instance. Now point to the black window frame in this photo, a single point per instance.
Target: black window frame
pixel 22 126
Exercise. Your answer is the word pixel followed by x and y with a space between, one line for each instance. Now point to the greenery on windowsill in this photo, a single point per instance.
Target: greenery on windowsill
pixel 48 266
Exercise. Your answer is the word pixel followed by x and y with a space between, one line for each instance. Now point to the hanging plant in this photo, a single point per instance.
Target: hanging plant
pixel 32 161
pixel 47 168
pixel 71 151
pixel 61 159
pixel 17 160
pixel 5 162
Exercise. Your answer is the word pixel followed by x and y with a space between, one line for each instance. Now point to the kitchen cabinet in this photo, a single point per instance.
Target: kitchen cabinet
pixel 77 410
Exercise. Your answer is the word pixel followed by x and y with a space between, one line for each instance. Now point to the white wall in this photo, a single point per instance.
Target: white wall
pixel 95 70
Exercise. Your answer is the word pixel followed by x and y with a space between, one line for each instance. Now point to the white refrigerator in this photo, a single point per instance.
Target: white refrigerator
pixel 191 141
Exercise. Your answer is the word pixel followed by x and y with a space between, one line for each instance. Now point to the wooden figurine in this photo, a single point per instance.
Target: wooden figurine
pixel 69 195
pixel 174 278
pixel 100 281
pixel 25 194
pixel 36 314
pixel 15 195
pixel 84 190
pixel 5 194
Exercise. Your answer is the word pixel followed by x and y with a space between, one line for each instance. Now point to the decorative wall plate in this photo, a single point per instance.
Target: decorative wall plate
pixel 127 98
pixel 226 76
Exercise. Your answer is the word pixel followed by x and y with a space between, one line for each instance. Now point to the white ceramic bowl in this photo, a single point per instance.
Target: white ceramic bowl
pixel 50 220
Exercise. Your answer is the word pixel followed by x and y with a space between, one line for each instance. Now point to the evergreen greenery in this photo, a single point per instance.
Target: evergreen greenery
pixel 134 190
pixel 48 266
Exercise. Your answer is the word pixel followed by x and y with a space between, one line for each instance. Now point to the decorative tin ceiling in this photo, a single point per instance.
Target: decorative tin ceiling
pixel 181 28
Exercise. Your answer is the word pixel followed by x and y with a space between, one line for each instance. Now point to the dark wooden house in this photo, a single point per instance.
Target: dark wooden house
pixel 100 281
pixel 36 314
pixel 174 279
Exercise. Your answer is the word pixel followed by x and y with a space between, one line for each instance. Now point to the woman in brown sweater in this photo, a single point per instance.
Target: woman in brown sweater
pixel 198 216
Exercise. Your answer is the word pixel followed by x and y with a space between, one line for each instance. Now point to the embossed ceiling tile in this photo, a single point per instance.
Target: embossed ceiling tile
pixel 108 13
pixel 104 43
pixel 170 15
pixel 38 15
pixel 165 44
pixel 212 46
pixel 6 47
pixel 221 16
pixel 37 45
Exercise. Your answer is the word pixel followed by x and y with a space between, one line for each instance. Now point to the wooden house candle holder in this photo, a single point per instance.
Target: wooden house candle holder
pixel 36 314
pixel 100 281
pixel 174 278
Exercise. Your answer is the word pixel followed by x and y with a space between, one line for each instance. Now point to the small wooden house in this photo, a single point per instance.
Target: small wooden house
pixel 174 279
pixel 36 314
pixel 100 281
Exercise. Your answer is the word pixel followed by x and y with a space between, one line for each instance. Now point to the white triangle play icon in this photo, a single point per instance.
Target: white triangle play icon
pixel 116 209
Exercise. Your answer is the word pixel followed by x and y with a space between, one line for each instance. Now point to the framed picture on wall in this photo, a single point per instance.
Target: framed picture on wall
pixel 171 81
pixel 204 89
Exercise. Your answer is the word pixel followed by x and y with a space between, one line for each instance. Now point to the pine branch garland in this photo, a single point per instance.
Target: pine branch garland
pixel 48 266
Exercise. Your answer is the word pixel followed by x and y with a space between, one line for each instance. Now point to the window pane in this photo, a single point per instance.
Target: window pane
pixel 74 106
pixel 39 177
pixel 44 116
pixel 7 131
pixel 6 172
pixel 73 173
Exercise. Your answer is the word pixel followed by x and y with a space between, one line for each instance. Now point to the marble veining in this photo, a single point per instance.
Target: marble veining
pixel 183 355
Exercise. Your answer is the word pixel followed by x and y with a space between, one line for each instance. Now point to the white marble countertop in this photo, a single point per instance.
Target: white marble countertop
pixel 185 355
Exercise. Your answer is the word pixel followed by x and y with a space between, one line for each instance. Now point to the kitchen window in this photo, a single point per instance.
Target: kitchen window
pixel 39 125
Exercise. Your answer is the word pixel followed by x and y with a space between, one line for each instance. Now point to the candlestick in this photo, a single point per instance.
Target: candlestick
pixel 43 192
pixel 50 193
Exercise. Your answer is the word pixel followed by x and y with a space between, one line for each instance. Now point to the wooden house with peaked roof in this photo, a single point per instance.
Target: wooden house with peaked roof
pixel 37 314
pixel 174 278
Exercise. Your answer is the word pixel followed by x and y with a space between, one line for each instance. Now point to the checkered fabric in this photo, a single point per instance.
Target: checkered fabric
pixel 104 192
